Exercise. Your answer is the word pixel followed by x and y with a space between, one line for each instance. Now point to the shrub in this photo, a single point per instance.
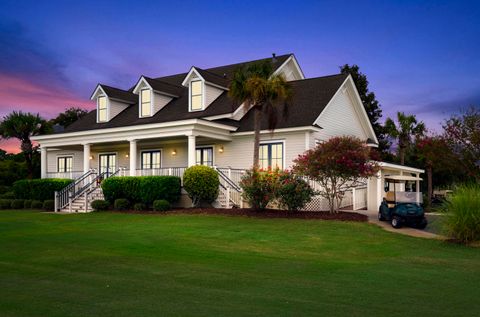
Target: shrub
pixel 27 204
pixel 8 195
pixel 293 192
pixel 463 214
pixel 259 187
pixel 39 189
pixel 5 203
pixel 49 205
pixel 17 204
pixel 139 207
pixel 100 205
pixel 201 183
pixel 36 204
pixel 121 204
pixel 144 189
pixel 161 205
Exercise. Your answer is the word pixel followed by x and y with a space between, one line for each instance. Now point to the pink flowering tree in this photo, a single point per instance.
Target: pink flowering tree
pixel 337 165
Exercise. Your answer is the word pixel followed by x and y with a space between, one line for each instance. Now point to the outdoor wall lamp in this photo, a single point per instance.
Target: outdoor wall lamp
pixel 91 157
pixel 220 149
pixel 126 155
pixel 174 152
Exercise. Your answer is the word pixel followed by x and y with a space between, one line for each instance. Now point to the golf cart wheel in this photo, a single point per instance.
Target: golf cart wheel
pixel 380 216
pixel 396 222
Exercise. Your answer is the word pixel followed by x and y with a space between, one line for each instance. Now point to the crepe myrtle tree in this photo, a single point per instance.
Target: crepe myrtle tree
pixel 337 165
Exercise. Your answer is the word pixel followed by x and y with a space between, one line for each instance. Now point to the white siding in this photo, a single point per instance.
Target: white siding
pixel 211 93
pixel 290 71
pixel 52 159
pixel 115 107
pixel 160 101
pixel 239 152
pixel 340 118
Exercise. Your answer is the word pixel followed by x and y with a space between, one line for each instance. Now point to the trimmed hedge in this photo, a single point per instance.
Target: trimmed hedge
pixel 161 205
pixel 201 183
pixel 139 207
pixel 5 203
pixel 7 195
pixel 144 189
pixel 39 189
pixel 49 205
pixel 36 204
pixel 100 205
pixel 121 204
pixel 17 204
pixel 27 204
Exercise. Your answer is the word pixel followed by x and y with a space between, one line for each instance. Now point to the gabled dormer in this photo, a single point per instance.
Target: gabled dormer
pixel 153 95
pixel 111 101
pixel 203 88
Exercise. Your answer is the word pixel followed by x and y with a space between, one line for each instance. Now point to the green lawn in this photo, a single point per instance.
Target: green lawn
pixel 105 264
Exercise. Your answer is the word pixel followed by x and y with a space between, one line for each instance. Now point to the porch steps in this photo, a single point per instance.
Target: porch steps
pixel 78 204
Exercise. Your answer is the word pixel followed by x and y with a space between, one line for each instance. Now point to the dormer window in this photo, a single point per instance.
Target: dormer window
pixel 196 95
pixel 102 109
pixel 145 103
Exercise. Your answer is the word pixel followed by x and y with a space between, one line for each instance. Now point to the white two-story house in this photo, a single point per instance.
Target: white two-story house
pixel 162 125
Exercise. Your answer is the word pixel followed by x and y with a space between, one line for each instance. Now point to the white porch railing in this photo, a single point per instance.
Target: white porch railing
pixel 67 175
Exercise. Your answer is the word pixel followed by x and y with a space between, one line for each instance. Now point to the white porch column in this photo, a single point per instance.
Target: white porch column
pixel 43 162
pixel 86 158
pixel 417 188
pixel 379 190
pixel 191 150
pixel 133 157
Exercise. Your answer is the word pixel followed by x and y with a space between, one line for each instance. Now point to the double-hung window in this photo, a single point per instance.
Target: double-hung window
pixel 64 164
pixel 271 155
pixel 204 156
pixel 196 95
pixel 151 160
pixel 102 108
pixel 145 103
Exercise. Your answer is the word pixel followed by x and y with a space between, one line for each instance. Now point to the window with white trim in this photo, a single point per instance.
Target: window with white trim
pixel 271 155
pixel 196 95
pixel 151 159
pixel 102 108
pixel 204 156
pixel 64 164
pixel 145 103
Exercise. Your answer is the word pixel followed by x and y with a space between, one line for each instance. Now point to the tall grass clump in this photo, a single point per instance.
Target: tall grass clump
pixel 463 214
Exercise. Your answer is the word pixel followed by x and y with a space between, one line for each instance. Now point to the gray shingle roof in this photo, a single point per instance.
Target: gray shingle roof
pixel 310 96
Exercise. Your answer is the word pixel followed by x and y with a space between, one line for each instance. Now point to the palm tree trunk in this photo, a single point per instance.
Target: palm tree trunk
pixel 402 155
pixel 256 139
pixel 27 149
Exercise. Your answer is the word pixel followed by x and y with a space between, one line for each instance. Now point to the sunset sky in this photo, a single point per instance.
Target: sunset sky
pixel 421 57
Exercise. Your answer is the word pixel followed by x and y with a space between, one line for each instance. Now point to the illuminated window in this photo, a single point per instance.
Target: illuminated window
pixel 151 159
pixel 65 164
pixel 145 103
pixel 196 95
pixel 271 155
pixel 204 156
pixel 102 108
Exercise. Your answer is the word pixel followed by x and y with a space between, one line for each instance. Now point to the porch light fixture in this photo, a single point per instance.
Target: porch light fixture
pixel 91 157
pixel 174 152
pixel 220 149
pixel 126 155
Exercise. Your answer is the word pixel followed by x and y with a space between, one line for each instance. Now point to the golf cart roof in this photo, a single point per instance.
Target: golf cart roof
pixel 402 178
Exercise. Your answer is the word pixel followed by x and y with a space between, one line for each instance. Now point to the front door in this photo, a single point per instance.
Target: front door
pixel 107 163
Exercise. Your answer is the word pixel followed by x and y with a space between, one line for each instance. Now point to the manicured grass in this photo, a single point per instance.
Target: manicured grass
pixel 104 264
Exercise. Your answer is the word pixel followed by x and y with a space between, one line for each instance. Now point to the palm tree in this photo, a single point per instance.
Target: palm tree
pixel 407 128
pixel 23 126
pixel 257 87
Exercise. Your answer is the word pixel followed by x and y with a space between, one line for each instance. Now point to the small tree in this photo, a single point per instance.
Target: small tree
pixel 69 116
pixel 201 183
pixel 337 165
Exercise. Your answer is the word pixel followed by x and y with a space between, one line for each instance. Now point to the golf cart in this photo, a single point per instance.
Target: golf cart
pixel 401 206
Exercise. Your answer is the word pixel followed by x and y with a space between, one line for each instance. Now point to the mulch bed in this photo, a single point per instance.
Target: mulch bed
pixel 269 213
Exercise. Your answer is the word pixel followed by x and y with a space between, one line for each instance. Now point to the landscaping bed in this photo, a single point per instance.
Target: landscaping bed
pixel 268 213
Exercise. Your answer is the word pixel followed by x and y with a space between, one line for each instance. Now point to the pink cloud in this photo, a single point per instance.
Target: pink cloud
pixel 21 94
